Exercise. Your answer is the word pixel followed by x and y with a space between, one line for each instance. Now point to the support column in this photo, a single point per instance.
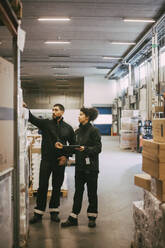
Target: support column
pixel 16 174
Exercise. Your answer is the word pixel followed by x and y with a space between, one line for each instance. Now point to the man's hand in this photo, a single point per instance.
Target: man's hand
pixel 62 160
pixel 58 145
pixel 24 105
pixel 81 148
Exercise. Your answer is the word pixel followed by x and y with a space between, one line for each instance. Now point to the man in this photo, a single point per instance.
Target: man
pixel 53 161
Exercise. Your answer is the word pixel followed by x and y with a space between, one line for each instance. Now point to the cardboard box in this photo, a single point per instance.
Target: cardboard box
pixel 154 159
pixel 36 149
pixel 158 189
pixel 143 181
pixel 159 130
pixel 157 109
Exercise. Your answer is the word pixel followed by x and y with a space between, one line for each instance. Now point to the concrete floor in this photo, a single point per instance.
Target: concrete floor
pixel 116 194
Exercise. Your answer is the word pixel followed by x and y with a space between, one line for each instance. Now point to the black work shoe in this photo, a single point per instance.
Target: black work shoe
pixel 70 222
pixel 91 223
pixel 54 216
pixel 36 218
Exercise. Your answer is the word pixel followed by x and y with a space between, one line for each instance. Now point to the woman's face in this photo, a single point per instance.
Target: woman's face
pixel 83 118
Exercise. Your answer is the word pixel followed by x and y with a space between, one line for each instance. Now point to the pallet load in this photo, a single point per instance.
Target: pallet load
pixel 129 128
pixel 149 214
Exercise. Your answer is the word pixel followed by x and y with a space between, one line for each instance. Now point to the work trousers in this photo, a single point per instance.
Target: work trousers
pixel 46 168
pixel 90 178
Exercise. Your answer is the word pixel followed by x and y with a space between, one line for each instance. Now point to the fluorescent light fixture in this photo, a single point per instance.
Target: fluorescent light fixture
pixel 103 67
pixel 61 75
pixel 60 67
pixel 57 42
pixel 56 19
pixel 109 57
pixel 61 79
pixel 122 43
pixel 138 20
pixel 58 56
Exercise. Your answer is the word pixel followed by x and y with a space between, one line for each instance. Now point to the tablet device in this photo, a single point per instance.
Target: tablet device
pixel 71 146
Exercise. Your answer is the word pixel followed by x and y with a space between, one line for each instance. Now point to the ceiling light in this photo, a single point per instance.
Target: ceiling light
pixel 60 67
pixel 61 79
pixel 122 43
pixel 58 56
pixel 138 20
pixel 103 67
pixel 57 42
pixel 61 75
pixel 58 19
pixel 109 57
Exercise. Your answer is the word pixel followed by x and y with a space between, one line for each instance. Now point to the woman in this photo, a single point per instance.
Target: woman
pixel 87 167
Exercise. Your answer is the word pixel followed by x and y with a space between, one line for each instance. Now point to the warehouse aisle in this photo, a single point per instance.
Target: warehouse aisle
pixel 116 193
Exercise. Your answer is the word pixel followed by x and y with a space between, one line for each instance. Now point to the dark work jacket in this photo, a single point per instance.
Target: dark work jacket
pixel 89 137
pixel 53 131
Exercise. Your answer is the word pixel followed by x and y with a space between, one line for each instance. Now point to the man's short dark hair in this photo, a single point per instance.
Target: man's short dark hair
pixel 61 107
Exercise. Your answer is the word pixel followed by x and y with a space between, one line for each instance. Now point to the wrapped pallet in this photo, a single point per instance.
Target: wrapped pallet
pixel 149 222
pixel 128 139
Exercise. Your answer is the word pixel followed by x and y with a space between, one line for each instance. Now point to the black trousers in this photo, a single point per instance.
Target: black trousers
pixel 82 178
pixel 46 168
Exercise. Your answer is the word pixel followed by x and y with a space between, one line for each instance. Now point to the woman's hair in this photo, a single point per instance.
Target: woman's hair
pixel 92 113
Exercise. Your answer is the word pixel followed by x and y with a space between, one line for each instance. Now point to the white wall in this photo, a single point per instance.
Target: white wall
pixel 98 90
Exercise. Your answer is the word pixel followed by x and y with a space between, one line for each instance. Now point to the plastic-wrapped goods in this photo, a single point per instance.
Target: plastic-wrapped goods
pixel 127 113
pixel 126 123
pixel 130 113
pixel 134 124
pixel 149 222
pixel 23 116
pixel 128 139
pixel 6 227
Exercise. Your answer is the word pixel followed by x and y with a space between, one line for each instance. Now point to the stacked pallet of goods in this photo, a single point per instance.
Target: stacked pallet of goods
pixel 129 128
pixel 149 214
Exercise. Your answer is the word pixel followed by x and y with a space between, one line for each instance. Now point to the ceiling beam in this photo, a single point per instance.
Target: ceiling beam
pixel 8 16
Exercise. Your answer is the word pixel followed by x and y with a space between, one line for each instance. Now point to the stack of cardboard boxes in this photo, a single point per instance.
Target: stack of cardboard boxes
pixel 149 214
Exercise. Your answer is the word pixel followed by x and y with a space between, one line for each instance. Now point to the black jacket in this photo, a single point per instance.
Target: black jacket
pixel 88 160
pixel 53 131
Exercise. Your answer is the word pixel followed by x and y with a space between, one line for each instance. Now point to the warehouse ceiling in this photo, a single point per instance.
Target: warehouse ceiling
pixel 93 26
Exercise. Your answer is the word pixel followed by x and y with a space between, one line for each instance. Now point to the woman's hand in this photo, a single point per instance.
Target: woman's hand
pixel 81 148
pixel 58 145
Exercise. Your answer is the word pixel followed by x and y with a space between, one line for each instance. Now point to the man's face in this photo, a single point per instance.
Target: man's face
pixel 56 112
